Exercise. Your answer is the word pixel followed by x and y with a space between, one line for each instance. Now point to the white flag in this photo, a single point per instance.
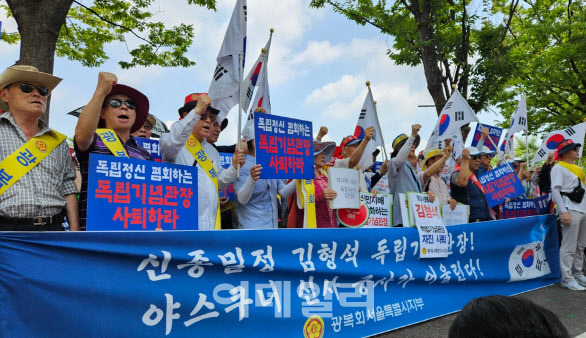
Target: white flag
pixel 225 82
pixel 262 98
pixel 528 261
pixel 551 141
pixel 368 118
pixel 457 143
pixel 455 114
pixel 518 123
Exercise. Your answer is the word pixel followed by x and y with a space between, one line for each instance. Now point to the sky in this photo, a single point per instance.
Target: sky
pixel 318 65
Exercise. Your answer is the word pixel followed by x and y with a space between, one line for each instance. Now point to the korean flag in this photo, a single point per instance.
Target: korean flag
pixel 528 261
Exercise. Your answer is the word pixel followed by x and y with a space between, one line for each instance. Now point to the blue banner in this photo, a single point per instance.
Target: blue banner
pixel 131 194
pixel 261 283
pixel 493 132
pixel 284 147
pixel 225 162
pixel 152 146
pixel 376 166
pixel 527 207
pixel 499 184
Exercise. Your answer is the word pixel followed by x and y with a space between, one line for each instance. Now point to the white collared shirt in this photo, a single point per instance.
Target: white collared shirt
pixel 173 150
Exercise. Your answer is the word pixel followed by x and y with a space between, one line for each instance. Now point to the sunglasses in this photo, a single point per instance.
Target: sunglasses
pixel 475 157
pixel 206 115
pixel 28 88
pixel 115 103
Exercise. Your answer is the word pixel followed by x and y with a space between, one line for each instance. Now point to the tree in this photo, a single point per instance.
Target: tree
pixel 548 50
pixel 521 144
pixel 444 36
pixel 80 32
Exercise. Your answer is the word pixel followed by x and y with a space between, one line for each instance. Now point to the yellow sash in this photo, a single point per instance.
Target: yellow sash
pixel 306 192
pixel 112 141
pixel 20 162
pixel 574 169
pixel 196 150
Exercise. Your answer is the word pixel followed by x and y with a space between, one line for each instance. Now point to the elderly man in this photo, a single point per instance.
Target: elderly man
pixel 147 127
pixel 187 144
pixel 36 173
pixel 466 188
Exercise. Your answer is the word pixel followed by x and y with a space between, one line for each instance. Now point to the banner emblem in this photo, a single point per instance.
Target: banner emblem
pixel 314 327
pixel 41 146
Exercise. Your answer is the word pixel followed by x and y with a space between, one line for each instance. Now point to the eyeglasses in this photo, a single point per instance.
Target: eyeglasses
pixel 28 88
pixel 209 115
pixel 117 103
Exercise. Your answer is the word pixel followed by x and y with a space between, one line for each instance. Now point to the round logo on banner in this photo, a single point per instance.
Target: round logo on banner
pixel 41 146
pixel 424 251
pixel 353 218
pixel 554 140
pixel 528 258
pixel 191 142
pixel 444 123
pixel 314 327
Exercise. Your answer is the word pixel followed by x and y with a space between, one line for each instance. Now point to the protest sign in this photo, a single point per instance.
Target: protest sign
pixel 225 162
pixel 493 132
pixel 406 212
pixel 345 183
pixel 527 207
pixel 519 208
pixel 284 147
pixel 131 194
pixel 499 184
pixel 457 216
pixel 382 186
pixel 380 209
pixel 234 283
pixel 353 218
pixel 376 166
pixel 433 236
pixel 152 146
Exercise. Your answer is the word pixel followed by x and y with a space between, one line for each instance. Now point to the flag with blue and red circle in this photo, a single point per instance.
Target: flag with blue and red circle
pixel 550 141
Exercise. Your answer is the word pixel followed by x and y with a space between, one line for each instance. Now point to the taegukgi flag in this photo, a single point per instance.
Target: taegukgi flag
pixel 528 261
pixel 518 123
pixel 259 77
pixel 550 142
pixel 454 115
pixel 226 79
pixel 368 118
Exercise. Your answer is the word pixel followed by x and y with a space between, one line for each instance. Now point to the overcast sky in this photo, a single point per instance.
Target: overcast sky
pixel 319 63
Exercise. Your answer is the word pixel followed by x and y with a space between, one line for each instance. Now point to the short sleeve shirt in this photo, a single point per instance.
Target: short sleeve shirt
pixel 567 181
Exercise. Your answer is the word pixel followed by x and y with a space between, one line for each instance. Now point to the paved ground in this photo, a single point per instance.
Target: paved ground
pixel 569 306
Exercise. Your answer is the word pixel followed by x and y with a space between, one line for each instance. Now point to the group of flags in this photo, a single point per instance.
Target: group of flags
pixel 228 89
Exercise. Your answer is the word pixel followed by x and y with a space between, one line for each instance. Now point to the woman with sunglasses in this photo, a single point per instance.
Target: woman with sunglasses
pixel 119 109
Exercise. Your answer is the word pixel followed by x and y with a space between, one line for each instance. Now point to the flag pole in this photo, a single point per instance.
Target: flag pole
pixel 238 142
pixel 377 121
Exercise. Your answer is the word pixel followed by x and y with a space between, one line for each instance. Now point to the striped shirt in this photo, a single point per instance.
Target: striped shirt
pixel 98 147
pixel 42 191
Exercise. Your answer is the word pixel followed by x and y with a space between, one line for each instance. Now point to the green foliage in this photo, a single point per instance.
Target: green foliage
pixel 9 38
pixel 92 25
pixel 521 145
pixel 548 52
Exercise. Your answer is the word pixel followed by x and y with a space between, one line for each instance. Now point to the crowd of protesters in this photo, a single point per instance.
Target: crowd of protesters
pixel 40 196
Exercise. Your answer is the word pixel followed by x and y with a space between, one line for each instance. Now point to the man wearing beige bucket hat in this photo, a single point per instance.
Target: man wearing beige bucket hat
pixel 37 178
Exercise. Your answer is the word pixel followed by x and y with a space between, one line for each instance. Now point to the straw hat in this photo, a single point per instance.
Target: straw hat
pixel 429 154
pixel 24 73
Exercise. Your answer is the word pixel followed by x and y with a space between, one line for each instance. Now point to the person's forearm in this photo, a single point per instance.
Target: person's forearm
pixel 72 212
pixel 288 189
pixel 87 123
pixel 357 154
pixel 374 179
pixel 557 198
pixel 245 192
pixel 463 175
pixel 404 152
pixel 172 142
pixel 435 168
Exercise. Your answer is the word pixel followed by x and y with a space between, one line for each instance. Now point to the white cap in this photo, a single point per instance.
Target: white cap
pixel 473 151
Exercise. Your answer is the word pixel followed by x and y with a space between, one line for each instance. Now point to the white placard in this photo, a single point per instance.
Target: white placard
pixel 345 183
pixel 433 235
pixel 457 216
pixel 382 186
pixel 405 211
pixel 381 210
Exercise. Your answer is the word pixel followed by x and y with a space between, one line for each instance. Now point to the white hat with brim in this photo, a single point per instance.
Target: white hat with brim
pixel 486 150
pixel 24 73
pixel 473 151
